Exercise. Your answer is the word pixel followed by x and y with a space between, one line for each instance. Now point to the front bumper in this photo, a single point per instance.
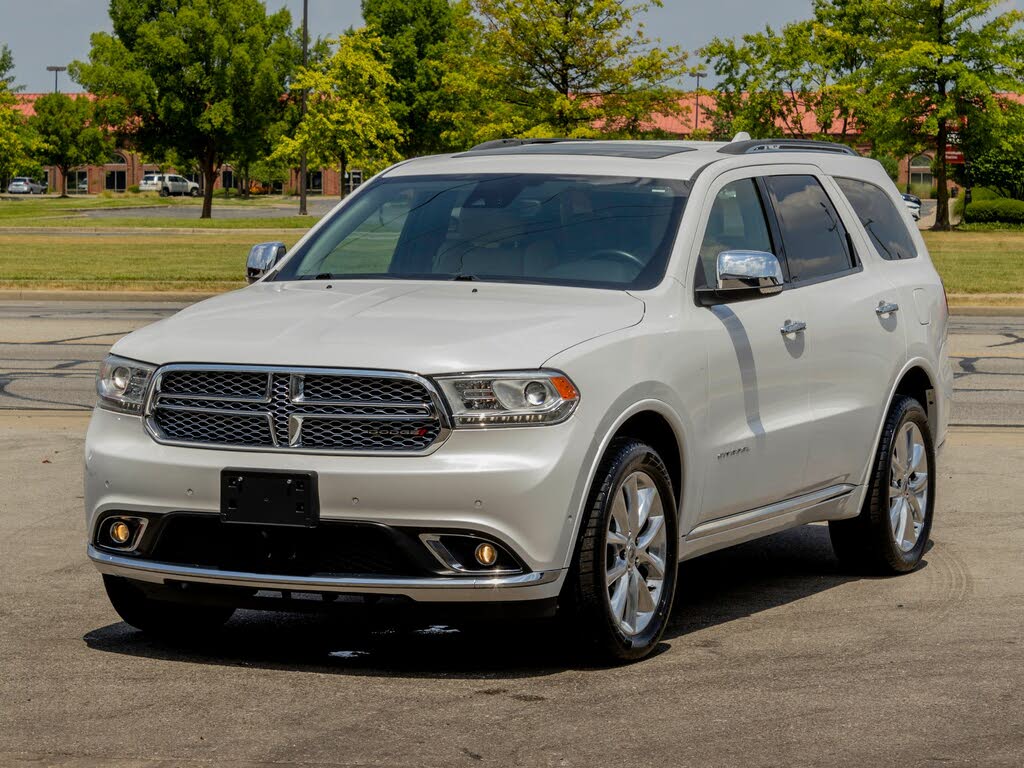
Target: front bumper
pixel 535 585
pixel 521 487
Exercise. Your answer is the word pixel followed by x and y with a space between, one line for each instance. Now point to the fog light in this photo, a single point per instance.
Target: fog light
pixel 486 554
pixel 120 532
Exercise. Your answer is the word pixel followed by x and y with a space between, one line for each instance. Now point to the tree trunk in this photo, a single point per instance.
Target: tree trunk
pixel 343 165
pixel 942 202
pixel 208 167
pixel 63 180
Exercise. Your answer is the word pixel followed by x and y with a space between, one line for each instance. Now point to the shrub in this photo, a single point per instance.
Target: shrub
pixel 134 189
pixel 1001 211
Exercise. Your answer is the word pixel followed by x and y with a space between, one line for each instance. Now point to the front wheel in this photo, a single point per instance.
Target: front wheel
pixel 162 618
pixel 623 580
pixel 164 191
pixel 194 192
pixel 891 532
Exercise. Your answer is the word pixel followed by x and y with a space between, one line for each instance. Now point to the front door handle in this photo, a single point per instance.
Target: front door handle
pixel 793 326
pixel 886 308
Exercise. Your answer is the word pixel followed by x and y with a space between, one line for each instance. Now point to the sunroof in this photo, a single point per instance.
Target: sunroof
pixel 639 150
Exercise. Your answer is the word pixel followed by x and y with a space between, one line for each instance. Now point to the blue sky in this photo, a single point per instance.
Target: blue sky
pixel 43 32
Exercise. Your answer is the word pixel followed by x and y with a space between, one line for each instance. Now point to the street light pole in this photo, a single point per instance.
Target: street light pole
pixel 698 73
pixel 302 158
pixel 55 71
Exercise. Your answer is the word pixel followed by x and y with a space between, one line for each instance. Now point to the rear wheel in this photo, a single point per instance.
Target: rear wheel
pixel 162 618
pixel 194 192
pixel 891 532
pixel 619 595
pixel 164 191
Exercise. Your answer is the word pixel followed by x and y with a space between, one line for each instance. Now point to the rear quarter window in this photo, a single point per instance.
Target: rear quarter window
pixel 881 219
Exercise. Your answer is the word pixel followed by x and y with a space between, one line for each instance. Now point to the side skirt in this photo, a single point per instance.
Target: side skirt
pixel 833 503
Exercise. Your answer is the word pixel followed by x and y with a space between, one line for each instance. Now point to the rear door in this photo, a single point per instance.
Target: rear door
pixel 854 340
pixel 759 415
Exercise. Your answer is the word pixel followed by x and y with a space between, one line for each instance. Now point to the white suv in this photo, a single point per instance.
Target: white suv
pixel 533 377
pixel 168 184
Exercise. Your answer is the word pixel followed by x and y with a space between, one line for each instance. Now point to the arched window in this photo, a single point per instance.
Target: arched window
pixel 921 170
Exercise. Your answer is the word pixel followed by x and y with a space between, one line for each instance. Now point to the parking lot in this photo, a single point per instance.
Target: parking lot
pixel 774 656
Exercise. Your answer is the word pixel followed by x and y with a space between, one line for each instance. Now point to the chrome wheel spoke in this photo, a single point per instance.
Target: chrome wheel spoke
pixel 654 526
pixel 616 539
pixel 914 510
pixel 918 482
pixel 896 516
pixel 655 565
pixel 631 492
pixel 632 601
pixel 620 517
pixel 645 600
pixel 616 572
pixel 618 599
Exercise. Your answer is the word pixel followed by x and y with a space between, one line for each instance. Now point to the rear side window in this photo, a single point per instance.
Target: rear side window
pixel 880 217
pixel 813 236
pixel 736 223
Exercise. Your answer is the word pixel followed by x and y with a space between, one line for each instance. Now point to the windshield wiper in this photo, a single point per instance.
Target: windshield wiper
pixel 464 276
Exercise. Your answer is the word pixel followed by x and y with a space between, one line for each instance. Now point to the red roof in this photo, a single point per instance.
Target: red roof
pixel 25 102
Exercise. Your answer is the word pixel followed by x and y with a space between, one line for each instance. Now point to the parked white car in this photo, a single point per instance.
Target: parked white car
pixel 168 184
pixel 23 185
pixel 913 203
pixel 533 377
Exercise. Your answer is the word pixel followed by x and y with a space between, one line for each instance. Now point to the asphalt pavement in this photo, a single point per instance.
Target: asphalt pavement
pixel 774 655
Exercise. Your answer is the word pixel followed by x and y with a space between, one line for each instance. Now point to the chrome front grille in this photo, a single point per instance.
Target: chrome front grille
pixel 295 409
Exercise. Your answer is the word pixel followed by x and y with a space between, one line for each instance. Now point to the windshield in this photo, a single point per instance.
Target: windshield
pixel 600 231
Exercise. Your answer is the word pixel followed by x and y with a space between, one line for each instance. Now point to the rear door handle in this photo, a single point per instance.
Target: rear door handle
pixel 886 308
pixel 793 326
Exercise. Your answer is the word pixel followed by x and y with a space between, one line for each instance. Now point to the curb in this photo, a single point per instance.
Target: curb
pixel 119 296
pixel 979 311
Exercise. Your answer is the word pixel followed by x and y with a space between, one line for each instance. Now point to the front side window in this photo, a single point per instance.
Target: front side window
pixel 881 219
pixel 813 236
pixel 736 223
pixel 606 232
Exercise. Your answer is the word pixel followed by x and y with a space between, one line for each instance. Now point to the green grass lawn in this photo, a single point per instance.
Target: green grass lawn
pixel 972 264
pixel 155 261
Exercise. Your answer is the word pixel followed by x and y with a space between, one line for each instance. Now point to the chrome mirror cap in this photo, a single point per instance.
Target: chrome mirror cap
pixel 262 258
pixel 746 270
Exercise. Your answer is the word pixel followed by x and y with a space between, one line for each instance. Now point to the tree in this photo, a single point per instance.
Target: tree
pixel 563 67
pixel 348 114
pixel 417 37
pixel 69 134
pixel 204 78
pixel 14 140
pixel 790 81
pixel 924 60
pixel 993 145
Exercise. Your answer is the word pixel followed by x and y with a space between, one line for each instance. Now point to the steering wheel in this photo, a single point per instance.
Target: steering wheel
pixel 619 255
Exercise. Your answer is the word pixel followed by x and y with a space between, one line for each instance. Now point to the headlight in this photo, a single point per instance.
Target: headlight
pixel 510 399
pixel 121 384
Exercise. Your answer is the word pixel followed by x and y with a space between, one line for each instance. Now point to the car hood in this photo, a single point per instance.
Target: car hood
pixel 420 326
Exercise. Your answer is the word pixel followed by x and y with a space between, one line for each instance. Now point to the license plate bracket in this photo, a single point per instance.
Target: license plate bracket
pixel 269 497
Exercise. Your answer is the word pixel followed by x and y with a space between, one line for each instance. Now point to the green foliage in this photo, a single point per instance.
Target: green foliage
pixel 560 67
pixel 348 119
pixel 15 140
pixel 202 78
pixel 788 81
pixel 1001 210
pixel 994 147
pixel 889 163
pixel 68 133
pixel 417 36
pixel 942 58
pixel 7 71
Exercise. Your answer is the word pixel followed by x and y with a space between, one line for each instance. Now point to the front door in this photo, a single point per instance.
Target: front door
pixel 758 411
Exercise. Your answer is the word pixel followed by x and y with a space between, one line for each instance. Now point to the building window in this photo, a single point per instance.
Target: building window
pixel 78 182
pixel 921 171
pixel 115 181
pixel 315 182
pixel 352 180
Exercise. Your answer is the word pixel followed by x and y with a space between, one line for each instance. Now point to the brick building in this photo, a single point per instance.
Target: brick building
pixel 125 169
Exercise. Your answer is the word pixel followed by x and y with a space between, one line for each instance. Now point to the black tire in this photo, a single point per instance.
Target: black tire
pixel 866 543
pixel 194 192
pixel 585 606
pixel 160 618
pixel 164 191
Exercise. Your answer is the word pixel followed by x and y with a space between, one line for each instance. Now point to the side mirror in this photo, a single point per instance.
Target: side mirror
pixel 745 274
pixel 262 258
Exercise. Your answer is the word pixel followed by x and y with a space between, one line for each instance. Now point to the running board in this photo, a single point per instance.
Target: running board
pixel 824 504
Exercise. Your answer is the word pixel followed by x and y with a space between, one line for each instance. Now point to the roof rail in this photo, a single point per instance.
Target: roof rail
pixel 753 146
pixel 500 143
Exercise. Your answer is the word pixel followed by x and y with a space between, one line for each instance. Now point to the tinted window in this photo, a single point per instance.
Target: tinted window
pixel 812 234
pixel 610 232
pixel 881 219
pixel 736 223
